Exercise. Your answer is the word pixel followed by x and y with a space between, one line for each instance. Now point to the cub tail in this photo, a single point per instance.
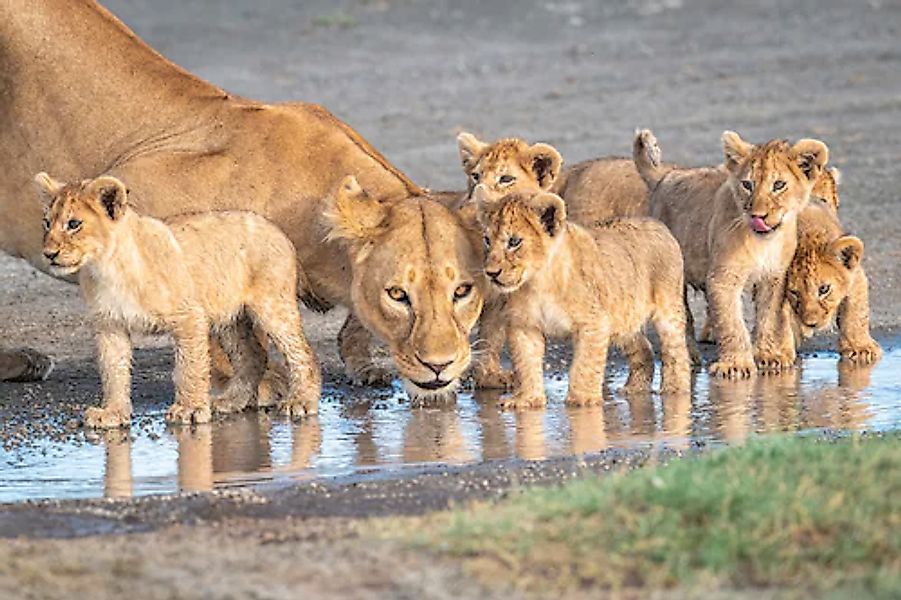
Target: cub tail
pixel 646 155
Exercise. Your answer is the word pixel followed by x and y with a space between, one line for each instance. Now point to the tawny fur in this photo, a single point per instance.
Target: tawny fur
pixel 599 286
pixel 188 276
pixel 414 282
pixel 711 212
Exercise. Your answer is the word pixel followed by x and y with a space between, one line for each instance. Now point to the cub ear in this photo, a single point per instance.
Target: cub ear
pixel 353 214
pixel 111 193
pixel 735 149
pixel 48 188
pixel 811 156
pixel 848 249
pixel 836 175
pixel 551 212
pixel 544 161
pixel 825 188
pixel 471 149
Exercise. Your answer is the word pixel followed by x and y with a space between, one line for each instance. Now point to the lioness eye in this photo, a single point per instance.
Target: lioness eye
pixel 46 224
pixel 475 177
pixel 825 289
pixel 73 224
pixel 398 295
pixel 747 184
pixel 462 291
pixel 778 185
pixel 506 179
pixel 514 242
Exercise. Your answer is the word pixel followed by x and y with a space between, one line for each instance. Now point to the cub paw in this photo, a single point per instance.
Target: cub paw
pixel 862 354
pixel 574 398
pixel 235 398
pixel 775 361
pixel 734 368
pixel 301 405
pixel 273 386
pixel 370 375
pixel 96 417
pixel 493 379
pixel 180 414
pixel 523 401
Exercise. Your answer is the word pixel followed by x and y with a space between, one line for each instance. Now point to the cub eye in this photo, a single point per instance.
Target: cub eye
pixel 792 295
pixel 506 179
pixel 398 295
pixel 487 241
pixel 825 289
pixel 463 290
pixel 778 185
pixel 475 177
pixel 514 242
pixel 747 184
pixel 73 224
pixel 46 224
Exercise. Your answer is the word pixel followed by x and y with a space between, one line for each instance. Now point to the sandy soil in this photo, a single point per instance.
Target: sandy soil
pixel 410 75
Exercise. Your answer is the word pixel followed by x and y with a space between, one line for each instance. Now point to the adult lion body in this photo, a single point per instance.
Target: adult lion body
pixel 81 96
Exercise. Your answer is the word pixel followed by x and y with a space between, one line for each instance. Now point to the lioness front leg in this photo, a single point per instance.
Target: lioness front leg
pixel 114 362
pixel 855 342
pixel 489 373
pixel 527 354
pixel 586 375
pixel 192 370
pixel 736 358
pixel 775 341
pixel 355 349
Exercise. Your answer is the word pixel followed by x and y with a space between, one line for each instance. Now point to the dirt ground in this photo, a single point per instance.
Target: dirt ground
pixel 409 75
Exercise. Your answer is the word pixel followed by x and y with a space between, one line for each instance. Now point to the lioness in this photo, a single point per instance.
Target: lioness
pixel 194 272
pixel 737 224
pixel 598 285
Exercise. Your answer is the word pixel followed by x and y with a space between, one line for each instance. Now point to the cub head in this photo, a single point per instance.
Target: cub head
pixel 825 190
pixel 507 165
pixel 521 231
pixel 772 181
pixel 79 219
pixel 415 282
pixel 819 278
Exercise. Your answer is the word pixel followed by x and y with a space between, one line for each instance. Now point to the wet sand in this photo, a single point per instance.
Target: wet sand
pixel 409 76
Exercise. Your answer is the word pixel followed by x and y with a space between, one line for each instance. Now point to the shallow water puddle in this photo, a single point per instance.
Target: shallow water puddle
pixel 360 431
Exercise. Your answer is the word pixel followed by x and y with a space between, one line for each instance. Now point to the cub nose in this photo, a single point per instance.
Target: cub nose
pixel 51 254
pixel 435 367
pixel 493 274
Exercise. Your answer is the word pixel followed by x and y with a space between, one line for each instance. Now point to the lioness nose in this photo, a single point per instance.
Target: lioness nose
pixel 436 367
pixel 51 254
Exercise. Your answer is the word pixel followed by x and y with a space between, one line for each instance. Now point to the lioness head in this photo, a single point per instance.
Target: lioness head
pixel 507 165
pixel 772 181
pixel 521 231
pixel 820 277
pixel 79 219
pixel 415 265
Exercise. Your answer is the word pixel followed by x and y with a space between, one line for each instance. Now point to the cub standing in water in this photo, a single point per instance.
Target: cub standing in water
pixel 188 276
pixel 599 286
pixel 735 231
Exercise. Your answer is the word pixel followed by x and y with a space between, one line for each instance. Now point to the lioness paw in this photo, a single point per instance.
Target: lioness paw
pixel 861 354
pixel 524 401
pixel 493 379
pixel 180 414
pixel 96 417
pixel 734 368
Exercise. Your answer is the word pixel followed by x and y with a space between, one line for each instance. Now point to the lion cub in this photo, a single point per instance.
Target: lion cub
pixel 826 280
pixel 737 225
pixel 185 276
pixel 598 286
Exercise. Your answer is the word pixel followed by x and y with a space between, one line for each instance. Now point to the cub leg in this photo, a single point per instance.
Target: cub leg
pixel 527 354
pixel 355 349
pixel 674 356
pixel 114 361
pixel 280 319
pixel 855 343
pixel 775 341
pixel 586 375
pixel 736 358
pixel 640 356
pixel 489 373
pixel 248 361
pixel 192 370
pixel 690 340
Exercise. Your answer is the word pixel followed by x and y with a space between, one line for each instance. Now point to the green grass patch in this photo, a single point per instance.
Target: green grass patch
pixel 787 513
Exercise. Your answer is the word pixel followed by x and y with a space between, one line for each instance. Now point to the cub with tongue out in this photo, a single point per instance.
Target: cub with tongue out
pixel 737 226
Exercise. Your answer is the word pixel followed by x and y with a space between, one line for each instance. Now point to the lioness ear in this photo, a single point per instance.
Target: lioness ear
pixel 848 249
pixel 111 193
pixel 48 188
pixel 471 149
pixel 353 215
pixel 735 149
pixel 551 212
pixel 812 156
pixel 544 161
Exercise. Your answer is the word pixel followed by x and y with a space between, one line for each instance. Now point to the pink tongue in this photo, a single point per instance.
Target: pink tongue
pixel 759 225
